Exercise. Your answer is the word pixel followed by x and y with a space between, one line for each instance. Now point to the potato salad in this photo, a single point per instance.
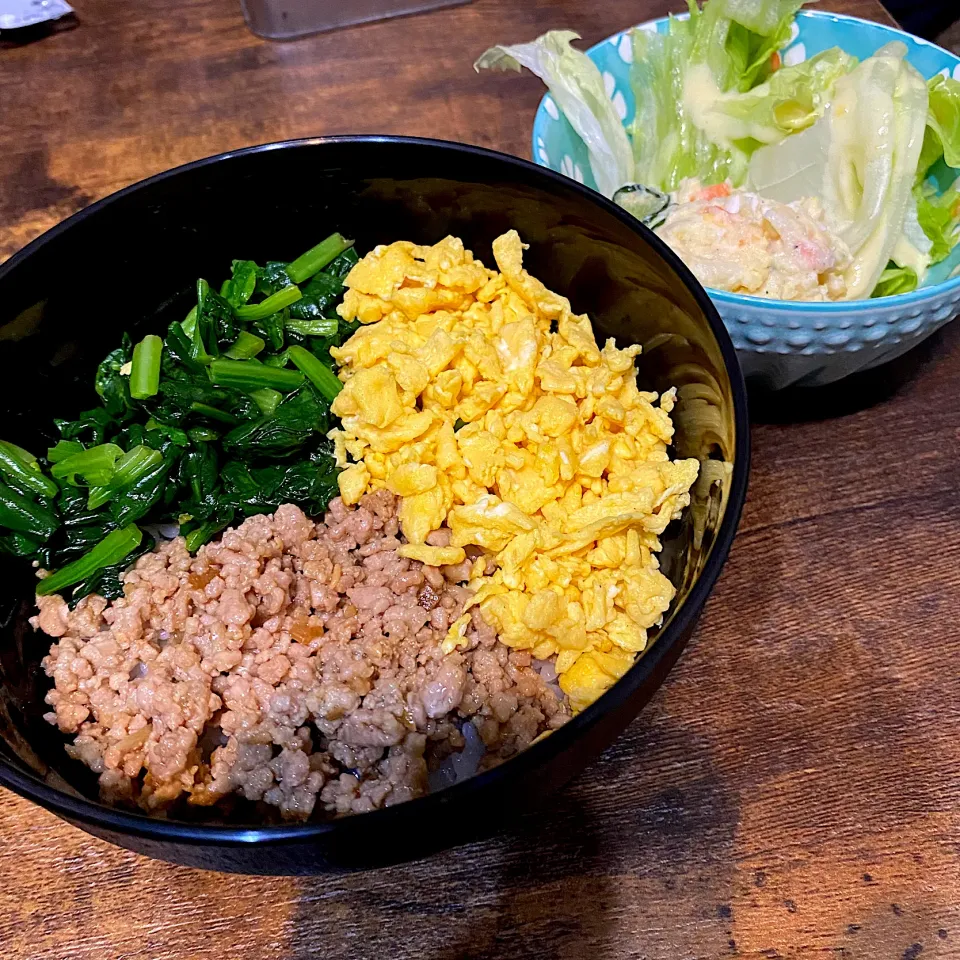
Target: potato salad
pixel 738 241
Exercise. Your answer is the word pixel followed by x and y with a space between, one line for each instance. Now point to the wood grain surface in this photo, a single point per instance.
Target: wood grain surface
pixel 794 788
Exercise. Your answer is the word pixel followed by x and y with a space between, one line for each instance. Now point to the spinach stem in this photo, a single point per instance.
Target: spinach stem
pixel 95 465
pixel 190 323
pixel 145 368
pixel 206 410
pixel 324 327
pixel 247 345
pixel 316 258
pixel 316 371
pixel 109 551
pixel 134 464
pixel 250 375
pixel 22 467
pixel 273 304
pixel 267 400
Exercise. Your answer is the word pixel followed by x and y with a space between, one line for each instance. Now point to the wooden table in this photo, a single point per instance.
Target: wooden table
pixel 793 790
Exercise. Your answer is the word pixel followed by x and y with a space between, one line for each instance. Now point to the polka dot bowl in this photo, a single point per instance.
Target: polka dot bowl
pixel 786 343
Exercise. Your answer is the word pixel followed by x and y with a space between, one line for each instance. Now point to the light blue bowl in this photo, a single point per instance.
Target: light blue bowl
pixel 784 343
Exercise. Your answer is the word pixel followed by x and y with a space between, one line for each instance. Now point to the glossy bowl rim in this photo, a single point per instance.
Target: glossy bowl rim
pixel 808 307
pixel 98 815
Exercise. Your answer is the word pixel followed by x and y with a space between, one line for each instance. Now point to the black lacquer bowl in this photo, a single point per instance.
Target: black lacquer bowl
pixel 131 262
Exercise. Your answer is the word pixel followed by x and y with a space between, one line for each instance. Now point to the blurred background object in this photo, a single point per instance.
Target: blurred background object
pixel 950 38
pixel 930 19
pixel 287 19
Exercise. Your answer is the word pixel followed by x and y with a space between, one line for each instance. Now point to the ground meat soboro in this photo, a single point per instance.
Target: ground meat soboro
pixel 288 661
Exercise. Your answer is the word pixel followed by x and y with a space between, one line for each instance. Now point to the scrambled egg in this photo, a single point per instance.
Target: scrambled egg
pixel 482 401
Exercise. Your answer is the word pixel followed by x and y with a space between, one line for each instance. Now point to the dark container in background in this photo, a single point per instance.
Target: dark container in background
pixel 289 19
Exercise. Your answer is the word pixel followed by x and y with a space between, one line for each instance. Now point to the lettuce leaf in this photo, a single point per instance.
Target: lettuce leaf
pixel 765 18
pixel 913 247
pixel 790 101
pixel 577 86
pixel 939 216
pixel 942 137
pixel 736 39
pixel 667 145
pixel 724 48
pixel 895 280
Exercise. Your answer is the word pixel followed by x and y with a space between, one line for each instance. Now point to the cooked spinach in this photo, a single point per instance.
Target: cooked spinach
pixel 224 417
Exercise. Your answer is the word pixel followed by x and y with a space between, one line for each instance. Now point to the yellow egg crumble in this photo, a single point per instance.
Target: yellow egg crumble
pixel 482 401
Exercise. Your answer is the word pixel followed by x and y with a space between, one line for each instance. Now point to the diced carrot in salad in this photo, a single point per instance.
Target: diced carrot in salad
pixel 713 192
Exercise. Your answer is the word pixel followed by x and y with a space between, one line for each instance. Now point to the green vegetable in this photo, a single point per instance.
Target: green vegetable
pixel 319 299
pixel 22 515
pixel 241 285
pixel 202 534
pixel 145 368
pixel 297 420
pixel 682 81
pixel 133 465
pixel 19 545
pixel 937 199
pixel 216 322
pixel 210 422
pixel 63 449
pixel 340 267
pixel 112 549
pixel 142 493
pixel 895 280
pixel 251 375
pixel 267 400
pixel 273 304
pixel 272 277
pixel 246 346
pixel 313 328
pixel 317 372
pixel 95 466
pixel 92 426
pixel 735 39
pixel 667 145
pixel 791 100
pixel 939 218
pixel 272 328
pixel 941 139
pixel 315 259
pixel 111 385
pixel 189 324
pixel 183 350
pixel 311 483
pixel 22 470
pixel 175 434
pixel 214 413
